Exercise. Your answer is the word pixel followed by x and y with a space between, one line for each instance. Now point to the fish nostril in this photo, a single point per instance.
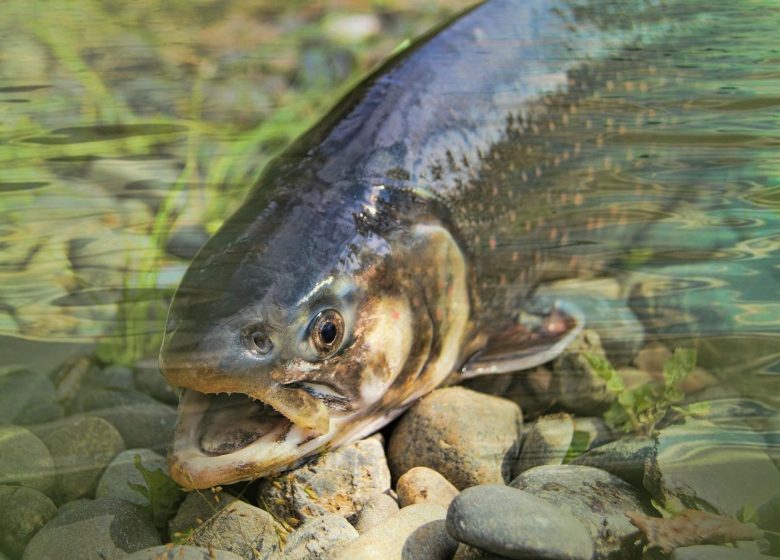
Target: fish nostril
pixel 261 343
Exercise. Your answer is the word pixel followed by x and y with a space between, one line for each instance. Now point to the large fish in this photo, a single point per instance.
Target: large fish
pixel 398 244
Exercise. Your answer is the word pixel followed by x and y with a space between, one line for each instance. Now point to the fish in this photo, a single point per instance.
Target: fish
pixel 397 246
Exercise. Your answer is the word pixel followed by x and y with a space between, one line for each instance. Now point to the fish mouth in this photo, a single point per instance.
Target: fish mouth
pixel 224 438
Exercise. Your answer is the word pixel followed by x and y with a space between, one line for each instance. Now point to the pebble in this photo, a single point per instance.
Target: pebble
pixel 148 426
pixel 416 532
pixel 697 465
pixel 25 460
pixel 196 509
pixel 580 389
pixel 242 529
pixel 468 437
pixel 593 431
pixel 115 377
pixel 23 511
pixel 99 398
pixel 421 484
pixel 181 552
pixel 82 447
pixel 516 524
pixel 624 457
pixel 27 397
pixel 534 391
pixel 318 538
pixel 468 552
pixel 713 552
pixel 596 499
pixel 377 508
pixel 148 379
pixel 339 481
pixel 93 530
pixel 546 443
pixel 122 479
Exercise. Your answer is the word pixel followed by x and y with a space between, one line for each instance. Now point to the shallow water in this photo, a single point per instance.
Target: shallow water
pixel 126 139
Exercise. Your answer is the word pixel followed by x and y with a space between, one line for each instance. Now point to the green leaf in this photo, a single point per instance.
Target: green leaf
pixel 160 491
pixel 679 366
pixel 579 445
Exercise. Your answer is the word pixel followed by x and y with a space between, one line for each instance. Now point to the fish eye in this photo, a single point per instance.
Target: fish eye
pixel 327 331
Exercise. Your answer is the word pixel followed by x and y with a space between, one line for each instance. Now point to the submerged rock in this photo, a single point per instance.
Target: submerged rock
pixel 580 388
pixel 25 460
pixel 142 425
pixel 546 443
pixel 181 552
pixel 339 481
pixel 597 499
pixel 624 457
pixel 416 532
pixel 516 524
pixel 27 397
pixel 700 466
pixel 82 447
pixel 318 538
pixel 196 509
pixel 469 437
pixel 93 530
pixel 23 511
pixel 242 529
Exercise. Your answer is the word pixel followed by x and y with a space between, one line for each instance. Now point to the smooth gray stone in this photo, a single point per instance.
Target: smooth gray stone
pixel 82 447
pixel 468 437
pixel 697 465
pixel 122 478
pixel 713 552
pixel 339 481
pixel 149 380
pixel 581 390
pixel 196 509
pixel 416 532
pixel 27 397
pixel 597 499
pixel 149 426
pixel 625 458
pixel 23 511
pixel 546 443
pixel 242 529
pixel 468 552
pixel 516 524
pixel 25 460
pixel 93 530
pixel 377 508
pixel 181 552
pixel 318 537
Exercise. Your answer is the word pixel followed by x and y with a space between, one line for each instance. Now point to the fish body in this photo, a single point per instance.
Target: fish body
pixel 396 246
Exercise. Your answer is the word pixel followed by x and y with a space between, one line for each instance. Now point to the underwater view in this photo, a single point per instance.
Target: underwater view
pixel 389 279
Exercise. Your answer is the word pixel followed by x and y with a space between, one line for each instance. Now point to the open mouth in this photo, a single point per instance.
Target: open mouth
pixel 232 422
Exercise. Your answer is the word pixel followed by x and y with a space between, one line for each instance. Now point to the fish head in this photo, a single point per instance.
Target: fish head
pixel 290 338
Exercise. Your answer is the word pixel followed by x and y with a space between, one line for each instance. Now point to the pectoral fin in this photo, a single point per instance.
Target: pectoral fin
pixel 534 339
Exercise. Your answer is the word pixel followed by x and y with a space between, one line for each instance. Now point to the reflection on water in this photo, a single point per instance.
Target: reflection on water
pixel 121 153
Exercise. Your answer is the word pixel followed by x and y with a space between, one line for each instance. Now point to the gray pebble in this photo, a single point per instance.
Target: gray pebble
pixel 546 443
pixel 624 458
pixel 318 537
pixel 242 529
pixel 149 426
pixel 122 479
pixel 516 524
pixel 414 533
pixel 27 397
pixel 468 552
pixel 581 390
pixel 82 447
pixel 700 466
pixel 100 398
pixel 597 499
pixel 469 437
pixel 23 511
pixel 534 391
pixel 197 508
pixel 148 379
pixel 181 552
pixel 93 530
pixel 377 508
pixel 713 552
pixel 421 484
pixel 112 377
pixel 25 460
pixel 339 481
